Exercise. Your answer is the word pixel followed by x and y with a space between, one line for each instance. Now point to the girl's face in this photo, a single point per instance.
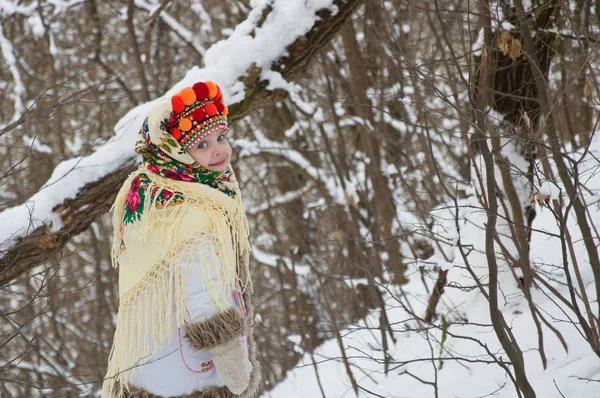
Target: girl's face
pixel 213 152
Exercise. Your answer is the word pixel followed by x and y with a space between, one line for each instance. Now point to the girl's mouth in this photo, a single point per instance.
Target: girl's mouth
pixel 221 163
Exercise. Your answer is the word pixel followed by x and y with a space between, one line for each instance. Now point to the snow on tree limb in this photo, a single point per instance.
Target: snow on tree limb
pixel 6 49
pixel 185 34
pixel 278 39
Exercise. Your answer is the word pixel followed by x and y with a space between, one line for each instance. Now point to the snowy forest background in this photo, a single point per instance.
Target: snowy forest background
pixel 421 178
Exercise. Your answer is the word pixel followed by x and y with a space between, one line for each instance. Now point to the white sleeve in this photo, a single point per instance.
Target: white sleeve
pixel 197 300
pixel 218 330
pixel 208 324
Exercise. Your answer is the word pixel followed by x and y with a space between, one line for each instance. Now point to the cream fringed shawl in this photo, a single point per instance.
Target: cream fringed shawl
pixel 149 253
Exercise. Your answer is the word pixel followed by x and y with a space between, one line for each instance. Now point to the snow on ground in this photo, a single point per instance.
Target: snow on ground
pixel 575 373
pixel 225 62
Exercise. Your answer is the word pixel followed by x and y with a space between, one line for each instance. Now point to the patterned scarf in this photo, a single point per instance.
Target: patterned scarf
pixel 158 161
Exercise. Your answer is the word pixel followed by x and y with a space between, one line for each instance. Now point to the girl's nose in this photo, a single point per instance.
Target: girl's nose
pixel 217 152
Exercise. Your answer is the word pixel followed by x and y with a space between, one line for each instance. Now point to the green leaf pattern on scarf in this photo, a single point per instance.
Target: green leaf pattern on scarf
pixel 134 205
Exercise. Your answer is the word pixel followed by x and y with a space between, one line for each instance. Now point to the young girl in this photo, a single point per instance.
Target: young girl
pixel 184 327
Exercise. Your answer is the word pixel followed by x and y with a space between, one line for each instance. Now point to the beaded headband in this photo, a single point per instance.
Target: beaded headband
pixel 197 112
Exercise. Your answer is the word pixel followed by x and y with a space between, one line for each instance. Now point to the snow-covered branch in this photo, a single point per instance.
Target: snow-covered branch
pixel 185 34
pixel 19 88
pixel 83 188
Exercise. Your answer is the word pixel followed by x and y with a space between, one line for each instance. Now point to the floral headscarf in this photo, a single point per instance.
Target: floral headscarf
pixel 164 155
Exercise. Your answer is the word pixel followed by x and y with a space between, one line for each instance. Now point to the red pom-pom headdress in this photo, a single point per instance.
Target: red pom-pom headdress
pixel 197 112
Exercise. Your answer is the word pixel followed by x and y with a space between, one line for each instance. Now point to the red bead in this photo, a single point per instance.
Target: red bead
pixel 176 133
pixel 198 115
pixel 177 104
pixel 201 90
pixel 210 109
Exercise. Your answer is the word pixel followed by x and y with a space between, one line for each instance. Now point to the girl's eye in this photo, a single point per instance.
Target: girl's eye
pixel 202 145
pixel 221 137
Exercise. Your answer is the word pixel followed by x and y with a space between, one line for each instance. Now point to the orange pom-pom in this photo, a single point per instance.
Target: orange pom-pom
pixel 225 111
pixel 188 96
pixel 177 104
pixel 212 89
pixel 176 133
pixel 201 90
pixel 210 109
pixel 185 124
